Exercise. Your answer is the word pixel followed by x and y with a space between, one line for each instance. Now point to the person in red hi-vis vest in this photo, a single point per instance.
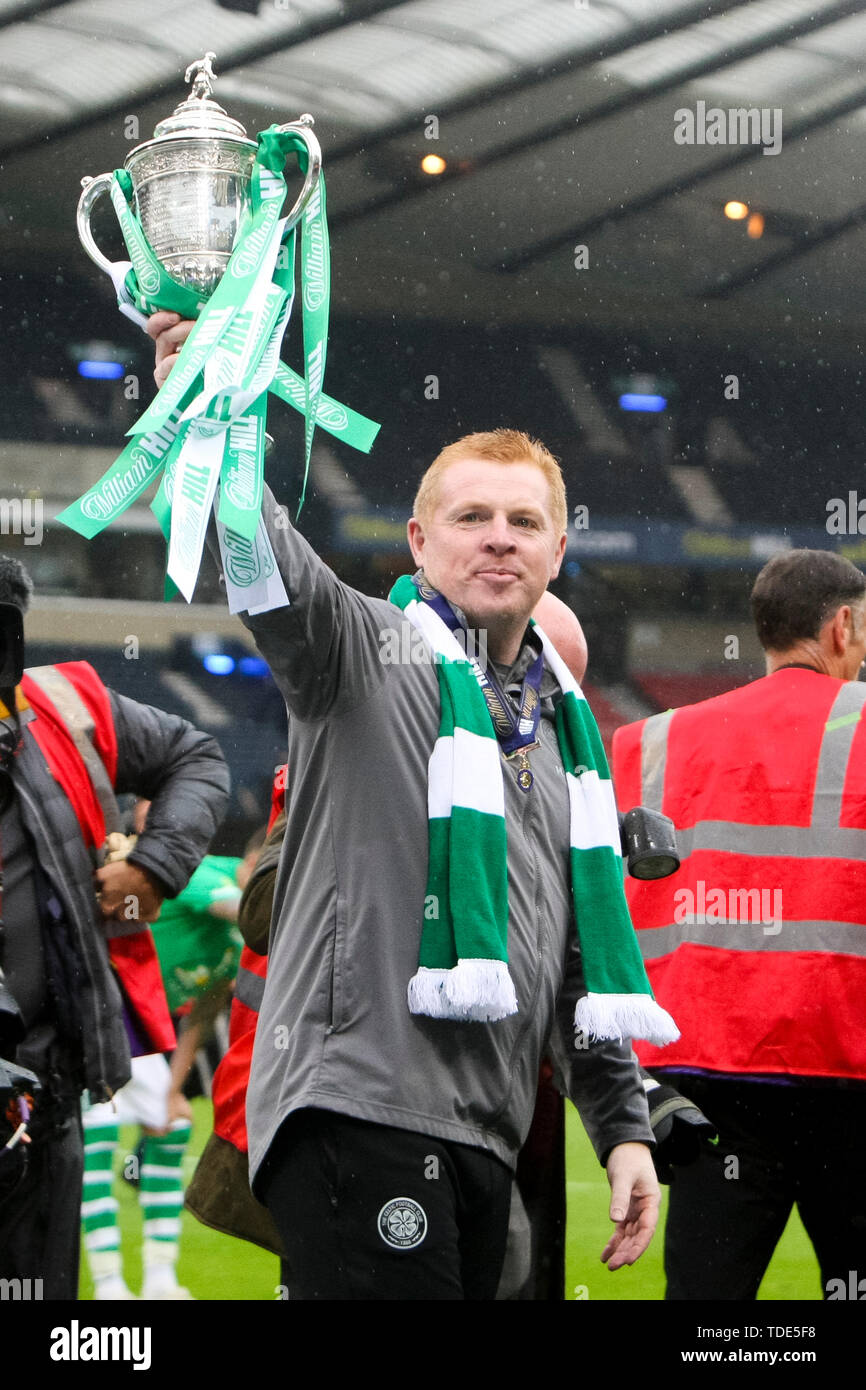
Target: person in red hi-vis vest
pixel 81 976
pixel 757 944
pixel 219 1194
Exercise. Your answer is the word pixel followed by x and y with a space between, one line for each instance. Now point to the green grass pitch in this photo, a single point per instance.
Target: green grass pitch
pixel 211 1266
pixel 214 1266
pixel 793 1271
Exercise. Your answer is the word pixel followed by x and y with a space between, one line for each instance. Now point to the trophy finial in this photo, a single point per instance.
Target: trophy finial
pixel 199 115
pixel 205 76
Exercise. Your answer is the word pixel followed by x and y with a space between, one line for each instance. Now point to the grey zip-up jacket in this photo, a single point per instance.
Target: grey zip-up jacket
pixel 335 1031
pixel 182 771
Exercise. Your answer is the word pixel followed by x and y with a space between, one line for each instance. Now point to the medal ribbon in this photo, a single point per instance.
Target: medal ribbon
pixel 513 730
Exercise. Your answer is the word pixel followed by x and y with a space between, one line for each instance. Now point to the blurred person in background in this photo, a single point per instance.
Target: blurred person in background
pixel 219 1194
pixel 198 947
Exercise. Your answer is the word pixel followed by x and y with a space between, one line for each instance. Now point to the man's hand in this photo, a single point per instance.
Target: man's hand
pixel 169 332
pixel 634 1203
pixel 127 892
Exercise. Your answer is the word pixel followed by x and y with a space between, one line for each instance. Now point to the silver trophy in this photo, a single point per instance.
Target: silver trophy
pixel 191 185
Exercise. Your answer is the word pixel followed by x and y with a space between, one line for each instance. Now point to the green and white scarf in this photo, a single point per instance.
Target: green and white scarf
pixel 463 963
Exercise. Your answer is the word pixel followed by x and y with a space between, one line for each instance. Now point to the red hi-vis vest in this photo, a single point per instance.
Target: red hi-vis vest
pixel 231 1078
pixel 757 945
pixel 132 954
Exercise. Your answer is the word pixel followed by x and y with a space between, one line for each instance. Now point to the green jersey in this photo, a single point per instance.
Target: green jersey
pixel 197 949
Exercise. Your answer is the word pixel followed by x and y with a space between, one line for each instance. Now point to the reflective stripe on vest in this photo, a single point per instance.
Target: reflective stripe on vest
pixel 79 723
pixel 653 759
pixel 835 752
pixel 249 989
pixel 773 841
pixel 130 944
pixel 824 838
pixel 757 934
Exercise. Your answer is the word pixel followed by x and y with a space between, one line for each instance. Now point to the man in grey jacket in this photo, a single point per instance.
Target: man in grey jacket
pixel 383 1140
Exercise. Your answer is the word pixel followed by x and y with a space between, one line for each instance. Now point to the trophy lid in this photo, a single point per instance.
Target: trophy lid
pixel 200 116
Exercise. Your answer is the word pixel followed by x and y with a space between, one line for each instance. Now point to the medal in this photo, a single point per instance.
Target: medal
pixel 515 729
pixel 525 778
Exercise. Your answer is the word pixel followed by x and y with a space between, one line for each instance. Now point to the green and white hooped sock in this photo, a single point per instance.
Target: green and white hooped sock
pixel 463 962
pixel 161 1197
pixel 99 1205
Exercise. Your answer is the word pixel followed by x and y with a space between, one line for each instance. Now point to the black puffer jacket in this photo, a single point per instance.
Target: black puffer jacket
pixel 182 771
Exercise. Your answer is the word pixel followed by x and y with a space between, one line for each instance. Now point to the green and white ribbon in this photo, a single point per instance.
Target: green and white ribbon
pixel 241 478
pixel 205 429
pixel 253 582
pixel 195 483
pixel 149 285
pixel 316 283
pixel 463 962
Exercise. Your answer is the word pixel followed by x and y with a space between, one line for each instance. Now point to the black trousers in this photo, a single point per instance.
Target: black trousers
pixel 778 1145
pixel 541 1181
pixel 40 1217
pixel 370 1212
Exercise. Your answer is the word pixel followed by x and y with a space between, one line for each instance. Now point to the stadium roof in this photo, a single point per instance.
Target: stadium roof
pixel 556 120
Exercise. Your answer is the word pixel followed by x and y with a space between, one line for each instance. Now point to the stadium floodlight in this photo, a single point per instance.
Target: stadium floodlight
pixel 644 392
pixel 219 663
pixel 96 370
pixel 98 360
pixel 641 401
pixel 253 666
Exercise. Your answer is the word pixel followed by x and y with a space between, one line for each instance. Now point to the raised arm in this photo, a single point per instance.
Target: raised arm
pixel 323 646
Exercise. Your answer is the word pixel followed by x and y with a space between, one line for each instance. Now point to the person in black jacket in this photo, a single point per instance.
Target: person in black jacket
pixel 61 756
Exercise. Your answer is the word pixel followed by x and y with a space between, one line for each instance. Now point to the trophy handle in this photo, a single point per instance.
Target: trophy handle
pixel 91 190
pixel 301 127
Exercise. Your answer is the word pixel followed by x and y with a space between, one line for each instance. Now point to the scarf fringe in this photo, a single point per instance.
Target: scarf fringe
pixel 480 991
pixel 616 1016
pixel 426 993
